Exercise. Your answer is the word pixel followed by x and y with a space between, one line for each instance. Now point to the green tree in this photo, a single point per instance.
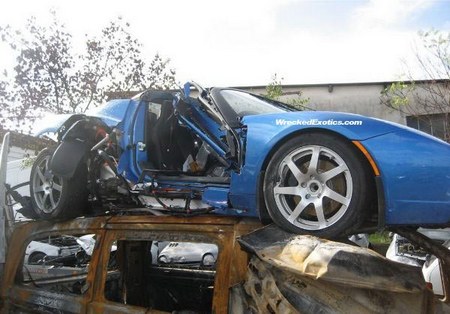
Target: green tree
pixel 425 99
pixel 274 90
pixel 50 76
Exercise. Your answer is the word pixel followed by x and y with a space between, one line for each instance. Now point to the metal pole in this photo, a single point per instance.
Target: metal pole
pixel 3 165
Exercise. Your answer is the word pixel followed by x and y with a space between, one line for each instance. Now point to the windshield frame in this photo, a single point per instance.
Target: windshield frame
pixel 231 116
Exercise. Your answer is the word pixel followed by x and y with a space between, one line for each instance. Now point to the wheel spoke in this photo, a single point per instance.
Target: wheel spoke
pixel 297 211
pixel 337 197
pixel 52 200
pixel 44 200
pixel 57 187
pixel 40 174
pixel 288 190
pixel 314 160
pixel 295 170
pixel 320 214
pixel 39 189
pixel 332 173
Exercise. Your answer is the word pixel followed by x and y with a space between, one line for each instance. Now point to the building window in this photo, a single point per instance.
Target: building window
pixel 435 124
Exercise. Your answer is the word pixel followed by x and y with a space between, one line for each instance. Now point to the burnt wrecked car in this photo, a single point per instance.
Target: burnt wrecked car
pixel 235 153
pixel 268 271
pixel 50 249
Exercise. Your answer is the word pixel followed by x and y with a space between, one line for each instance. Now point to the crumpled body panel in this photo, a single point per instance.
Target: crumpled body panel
pixel 296 273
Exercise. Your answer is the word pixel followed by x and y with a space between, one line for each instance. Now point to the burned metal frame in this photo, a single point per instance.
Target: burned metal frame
pixel 231 266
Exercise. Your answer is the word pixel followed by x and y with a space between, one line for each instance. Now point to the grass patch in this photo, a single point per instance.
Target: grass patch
pixel 380 237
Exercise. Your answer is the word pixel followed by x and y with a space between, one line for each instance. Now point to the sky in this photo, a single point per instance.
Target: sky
pixel 245 42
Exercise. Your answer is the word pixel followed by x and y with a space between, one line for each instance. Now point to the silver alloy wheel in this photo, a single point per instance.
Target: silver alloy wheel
pixel 315 187
pixel 47 188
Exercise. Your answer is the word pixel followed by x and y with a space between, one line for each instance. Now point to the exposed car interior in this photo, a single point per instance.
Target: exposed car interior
pixel 168 143
pixel 138 279
pixel 174 150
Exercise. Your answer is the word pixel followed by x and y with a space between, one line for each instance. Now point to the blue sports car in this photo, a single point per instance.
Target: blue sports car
pixel 230 152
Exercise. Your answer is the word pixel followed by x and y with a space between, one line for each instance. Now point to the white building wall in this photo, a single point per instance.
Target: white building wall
pixel 16 153
pixel 361 99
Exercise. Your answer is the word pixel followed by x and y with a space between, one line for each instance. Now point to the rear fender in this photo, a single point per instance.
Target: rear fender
pixel 67 157
pixel 77 135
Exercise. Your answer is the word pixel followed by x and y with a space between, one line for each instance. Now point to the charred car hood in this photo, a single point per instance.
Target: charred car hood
pixel 331 261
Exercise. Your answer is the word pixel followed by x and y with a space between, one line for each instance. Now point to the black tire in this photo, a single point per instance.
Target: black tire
pixel 162 259
pixel 204 257
pixel 37 258
pixel 54 197
pixel 313 205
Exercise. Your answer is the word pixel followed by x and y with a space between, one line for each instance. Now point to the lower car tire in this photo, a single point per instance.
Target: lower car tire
pixel 54 197
pixel 208 260
pixel 318 184
pixel 37 258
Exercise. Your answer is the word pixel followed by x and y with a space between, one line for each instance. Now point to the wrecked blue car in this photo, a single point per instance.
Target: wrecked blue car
pixel 230 152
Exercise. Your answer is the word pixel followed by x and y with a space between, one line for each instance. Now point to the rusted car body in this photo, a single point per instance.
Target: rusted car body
pixel 222 231
pixel 258 270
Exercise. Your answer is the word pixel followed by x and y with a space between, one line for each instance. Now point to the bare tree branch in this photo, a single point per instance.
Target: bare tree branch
pixel 428 102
